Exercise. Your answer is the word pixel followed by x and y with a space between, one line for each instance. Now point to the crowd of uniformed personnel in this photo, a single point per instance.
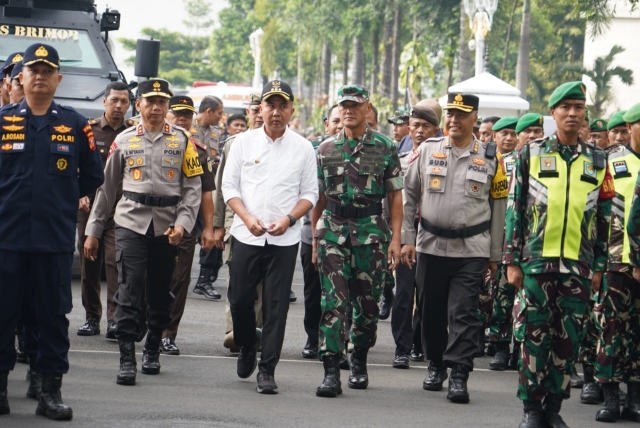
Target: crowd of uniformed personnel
pixel 487 230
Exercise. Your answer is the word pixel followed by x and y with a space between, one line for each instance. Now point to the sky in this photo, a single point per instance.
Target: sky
pixel 137 14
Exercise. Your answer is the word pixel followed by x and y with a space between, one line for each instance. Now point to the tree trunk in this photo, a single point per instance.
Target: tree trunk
pixel 464 57
pixel 345 61
pixel 300 84
pixel 357 70
pixel 522 67
pixel 326 68
pixel 506 46
pixel 397 48
pixel 375 47
pixel 387 53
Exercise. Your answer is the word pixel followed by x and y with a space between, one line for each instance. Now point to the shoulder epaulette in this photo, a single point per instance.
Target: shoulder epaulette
pixel 615 148
pixel 93 121
pixel 130 122
pixel 434 140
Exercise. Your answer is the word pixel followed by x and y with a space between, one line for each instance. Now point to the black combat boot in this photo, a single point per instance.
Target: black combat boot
pixel 531 415
pixel 436 375
pixel 151 354
pixel 21 356
pixel 501 358
pixel 515 357
pixel 458 384
pixel 610 412
pixel 127 374
pixel 35 379
pixel 50 402
pixel 204 286
pixel 591 391
pixel 551 411
pixel 4 402
pixel 576 381
pixel 631 408
pixel 358 378
pixel 331 385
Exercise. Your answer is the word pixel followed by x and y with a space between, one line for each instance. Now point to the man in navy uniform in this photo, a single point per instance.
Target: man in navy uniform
pixel 40 192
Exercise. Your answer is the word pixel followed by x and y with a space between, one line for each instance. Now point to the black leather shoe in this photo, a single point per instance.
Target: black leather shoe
pixel 576 381
pixel 89 328
pixel 310 350
pixel 458 392
pixel 500 359
pixel 128 369
pixel 386 304
pixel 169 347
pixel 416 354
pixel 401 362
pixel 331 385
pixel 292 297
pixel 4 401
pixel 551 411
pixel 437 374
pixel 610 412
pixel 266 383
pixel 531 415
pixel 207 291
pixel 358 378
pixel 50 402
pixel 247 361
pixel 111 330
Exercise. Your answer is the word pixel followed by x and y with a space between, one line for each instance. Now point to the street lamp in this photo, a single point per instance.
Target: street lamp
pixel 256 51
pixel 480 13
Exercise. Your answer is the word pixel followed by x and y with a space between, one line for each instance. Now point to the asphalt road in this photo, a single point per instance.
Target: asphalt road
pixel 201 388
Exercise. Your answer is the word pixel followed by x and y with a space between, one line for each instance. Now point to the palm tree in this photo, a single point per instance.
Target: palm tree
pixel 522 66
pixel 602 74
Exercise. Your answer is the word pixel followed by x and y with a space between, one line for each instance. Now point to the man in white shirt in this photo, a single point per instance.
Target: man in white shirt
pixel 269 182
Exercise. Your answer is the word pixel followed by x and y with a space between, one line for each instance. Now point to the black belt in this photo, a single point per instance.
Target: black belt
pixel 465 232
pixel 353 212
pixel 152 200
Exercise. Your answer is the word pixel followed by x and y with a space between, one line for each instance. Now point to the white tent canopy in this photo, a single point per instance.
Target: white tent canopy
pixel 497 97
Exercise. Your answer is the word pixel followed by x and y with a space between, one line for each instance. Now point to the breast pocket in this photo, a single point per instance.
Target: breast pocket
pixel 436 178
pixel 12 162
pixel 171 168
pixel 371 175
pixel 334 176
pixel 61 160
pixel 135 167
pixel 475 184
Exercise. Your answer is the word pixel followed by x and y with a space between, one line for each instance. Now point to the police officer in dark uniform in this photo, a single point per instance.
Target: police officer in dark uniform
pixel 9 63
pixel 105 129
pixel 37 239
pixel 180 114
pixel 158 168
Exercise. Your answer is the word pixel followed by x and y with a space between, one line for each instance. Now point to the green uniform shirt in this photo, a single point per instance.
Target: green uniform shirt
pixel 356 173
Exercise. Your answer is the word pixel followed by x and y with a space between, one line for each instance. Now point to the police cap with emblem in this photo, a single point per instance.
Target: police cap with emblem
pixel 527 120
pixel 568 91
pixel 11 61
pixel 425 113
pixel 616 120
pixel 154 88
pixel 401 116
pixel 357 93
pixel 507 122
pixel 632 115
pixel 463 102
pixel 179 103
pixel 598 125
pixel 41 53
pixel 16 70
pixel 277 87
pixel 255 99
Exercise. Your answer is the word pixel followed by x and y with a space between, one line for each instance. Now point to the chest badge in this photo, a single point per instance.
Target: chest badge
pixel 435 183
pixel 136 174
pixel 439 155
pixel 479 161
pixel 61 164
pixel 130 162
pixel 436 170
pixel 12 128
pixel 475 187
pixel 172 138
pixel 548 163
pixel 134 140
pixel 589 169
pixel 139 161
pixel 620 166
pixel 7 147
pixel 171 173
pixel 62 129
pixel 172 145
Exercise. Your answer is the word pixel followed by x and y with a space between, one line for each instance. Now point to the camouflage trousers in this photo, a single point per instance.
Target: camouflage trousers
pixel 354 274
pixel 485 301
pixel 548 314
pixel 617 315
pixel 590 334
pixel 501 322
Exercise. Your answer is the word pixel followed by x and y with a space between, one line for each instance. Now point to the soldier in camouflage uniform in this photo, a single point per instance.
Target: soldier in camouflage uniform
pixel 355 247
pixel 555 239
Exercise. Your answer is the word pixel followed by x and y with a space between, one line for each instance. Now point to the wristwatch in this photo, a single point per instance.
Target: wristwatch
pixel 292 220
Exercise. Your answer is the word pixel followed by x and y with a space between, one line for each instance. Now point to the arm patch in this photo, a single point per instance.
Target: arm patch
pixel 191 166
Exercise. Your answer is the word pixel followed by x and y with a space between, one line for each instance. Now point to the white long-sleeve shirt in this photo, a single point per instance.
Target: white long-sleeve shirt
pixel 270 177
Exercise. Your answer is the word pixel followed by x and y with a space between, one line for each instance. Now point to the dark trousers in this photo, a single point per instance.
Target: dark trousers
pixel 312 293
pixel 211 259
pixel 145 266
pixel 90 271
pixel 274 265
pixel 180 283
pixel 404 322
pixel 448 289
pixel 37 288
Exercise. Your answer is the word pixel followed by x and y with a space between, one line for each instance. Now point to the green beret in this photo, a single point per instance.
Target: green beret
pixel 598 125
pixel 632 115
pixel 529 119
pixel 569 90
pixel 616 120
pixel 508 122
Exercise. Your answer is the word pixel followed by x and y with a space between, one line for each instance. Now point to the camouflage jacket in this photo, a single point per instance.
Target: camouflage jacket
pixel 633 226
pixel 356 173
pixel 527 222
